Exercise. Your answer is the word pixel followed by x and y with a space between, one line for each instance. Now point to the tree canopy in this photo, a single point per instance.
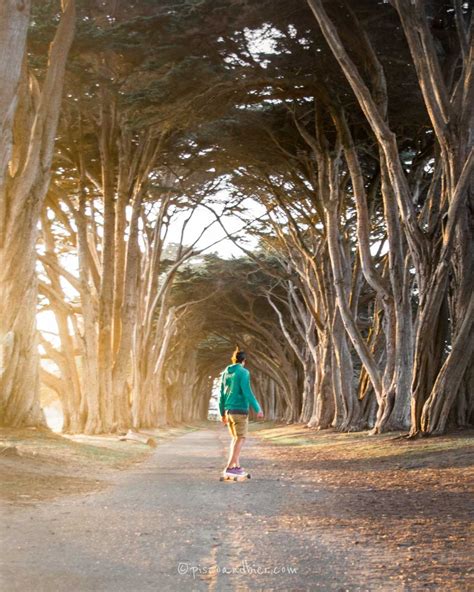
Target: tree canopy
pixel 338 134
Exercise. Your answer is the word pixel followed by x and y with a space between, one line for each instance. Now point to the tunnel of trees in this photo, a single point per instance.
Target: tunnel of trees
pixel 337 133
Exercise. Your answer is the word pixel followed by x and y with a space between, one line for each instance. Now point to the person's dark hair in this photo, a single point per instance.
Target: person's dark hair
pixel 238 356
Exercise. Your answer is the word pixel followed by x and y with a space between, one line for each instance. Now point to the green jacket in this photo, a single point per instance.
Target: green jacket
pixel 236 392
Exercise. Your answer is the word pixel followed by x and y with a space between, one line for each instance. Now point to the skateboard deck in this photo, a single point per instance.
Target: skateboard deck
pixel 234 477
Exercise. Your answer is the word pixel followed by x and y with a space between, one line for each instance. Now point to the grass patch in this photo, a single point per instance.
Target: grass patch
pixel 37 464
pixel 358 447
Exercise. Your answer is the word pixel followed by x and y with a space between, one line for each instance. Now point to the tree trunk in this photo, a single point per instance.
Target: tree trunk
pixel 21 200
pixel 106 297
pixel 436 409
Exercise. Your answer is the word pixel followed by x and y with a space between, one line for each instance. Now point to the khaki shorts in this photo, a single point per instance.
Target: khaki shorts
pixel 238 425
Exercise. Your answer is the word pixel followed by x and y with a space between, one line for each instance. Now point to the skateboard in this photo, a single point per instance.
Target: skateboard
pixel 234 477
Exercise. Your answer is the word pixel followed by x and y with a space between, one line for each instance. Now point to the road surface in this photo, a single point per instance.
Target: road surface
pixel 170 524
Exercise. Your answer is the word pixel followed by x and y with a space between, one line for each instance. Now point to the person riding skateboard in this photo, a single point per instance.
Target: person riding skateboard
pixel 235 398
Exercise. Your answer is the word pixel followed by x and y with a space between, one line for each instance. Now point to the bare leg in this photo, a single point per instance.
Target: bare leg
pixel 231 451
pixel 234 459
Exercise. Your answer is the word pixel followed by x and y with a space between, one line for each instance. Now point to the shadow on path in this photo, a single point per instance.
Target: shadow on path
pixel 169 524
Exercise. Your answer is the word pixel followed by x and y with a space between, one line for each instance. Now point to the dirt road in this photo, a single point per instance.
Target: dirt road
pixel 169 524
